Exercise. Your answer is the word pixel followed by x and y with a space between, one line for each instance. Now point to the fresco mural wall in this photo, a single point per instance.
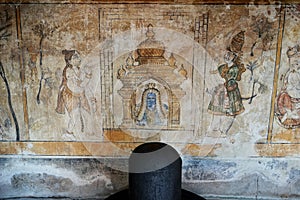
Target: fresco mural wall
pixel 82 84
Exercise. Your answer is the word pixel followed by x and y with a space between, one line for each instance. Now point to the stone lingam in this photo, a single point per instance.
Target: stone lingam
pixel 155 171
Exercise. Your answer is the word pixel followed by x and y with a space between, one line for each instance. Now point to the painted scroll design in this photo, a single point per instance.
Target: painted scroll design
pixel 42 30
pixel 4 36
pixel 263 29
pixel 5 25
pixel 264 33
pixel 3 76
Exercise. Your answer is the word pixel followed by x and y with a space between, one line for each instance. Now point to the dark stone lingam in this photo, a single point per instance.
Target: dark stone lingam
pixel 155 171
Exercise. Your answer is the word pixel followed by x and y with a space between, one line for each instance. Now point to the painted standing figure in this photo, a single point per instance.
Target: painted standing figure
pixel 226 98
pixel 288 101
pixel 73 92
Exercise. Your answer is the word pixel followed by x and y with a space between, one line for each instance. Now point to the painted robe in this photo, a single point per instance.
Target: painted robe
pixel 226 99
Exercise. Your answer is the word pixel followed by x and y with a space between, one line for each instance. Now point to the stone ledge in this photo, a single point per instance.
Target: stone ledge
pixel 192 2
pixel 277 149
pixel 92 149
pixel 123 149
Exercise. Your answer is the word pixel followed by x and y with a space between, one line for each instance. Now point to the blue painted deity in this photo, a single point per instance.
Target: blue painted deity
pixel 151 111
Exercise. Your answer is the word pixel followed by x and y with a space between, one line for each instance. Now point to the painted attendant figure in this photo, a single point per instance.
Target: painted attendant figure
pixel 72 93
pixel 226 98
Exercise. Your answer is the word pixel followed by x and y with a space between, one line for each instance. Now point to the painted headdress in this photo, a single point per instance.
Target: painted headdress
pixel 236 46
pixel 237 43
pixel 68 54
pixel 293 51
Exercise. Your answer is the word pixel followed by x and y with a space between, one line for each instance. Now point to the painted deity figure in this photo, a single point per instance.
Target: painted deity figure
pixel 151 111
pixel 226 98
pixel 288 101
pixel 72 96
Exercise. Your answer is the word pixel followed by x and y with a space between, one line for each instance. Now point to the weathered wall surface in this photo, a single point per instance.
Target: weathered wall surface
pixel 82 84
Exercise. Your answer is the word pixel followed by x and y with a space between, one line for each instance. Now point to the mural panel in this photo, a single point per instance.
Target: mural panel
pixel 11 91
pixel 82 84
pixel 286 128
pixel 61 88
pixel 126 74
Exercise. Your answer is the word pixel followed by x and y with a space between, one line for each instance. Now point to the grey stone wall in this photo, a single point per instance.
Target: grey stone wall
pixel 58 178
pixel 213 178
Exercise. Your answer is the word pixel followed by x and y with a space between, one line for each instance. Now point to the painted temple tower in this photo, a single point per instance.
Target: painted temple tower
pixel 151 92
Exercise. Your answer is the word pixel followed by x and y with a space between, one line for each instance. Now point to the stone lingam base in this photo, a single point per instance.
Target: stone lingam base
pixel 124 195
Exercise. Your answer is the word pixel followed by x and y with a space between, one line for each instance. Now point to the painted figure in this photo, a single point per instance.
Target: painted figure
pixel 73 92
pixel 151 111
pixel 288 101
pixel 226 98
